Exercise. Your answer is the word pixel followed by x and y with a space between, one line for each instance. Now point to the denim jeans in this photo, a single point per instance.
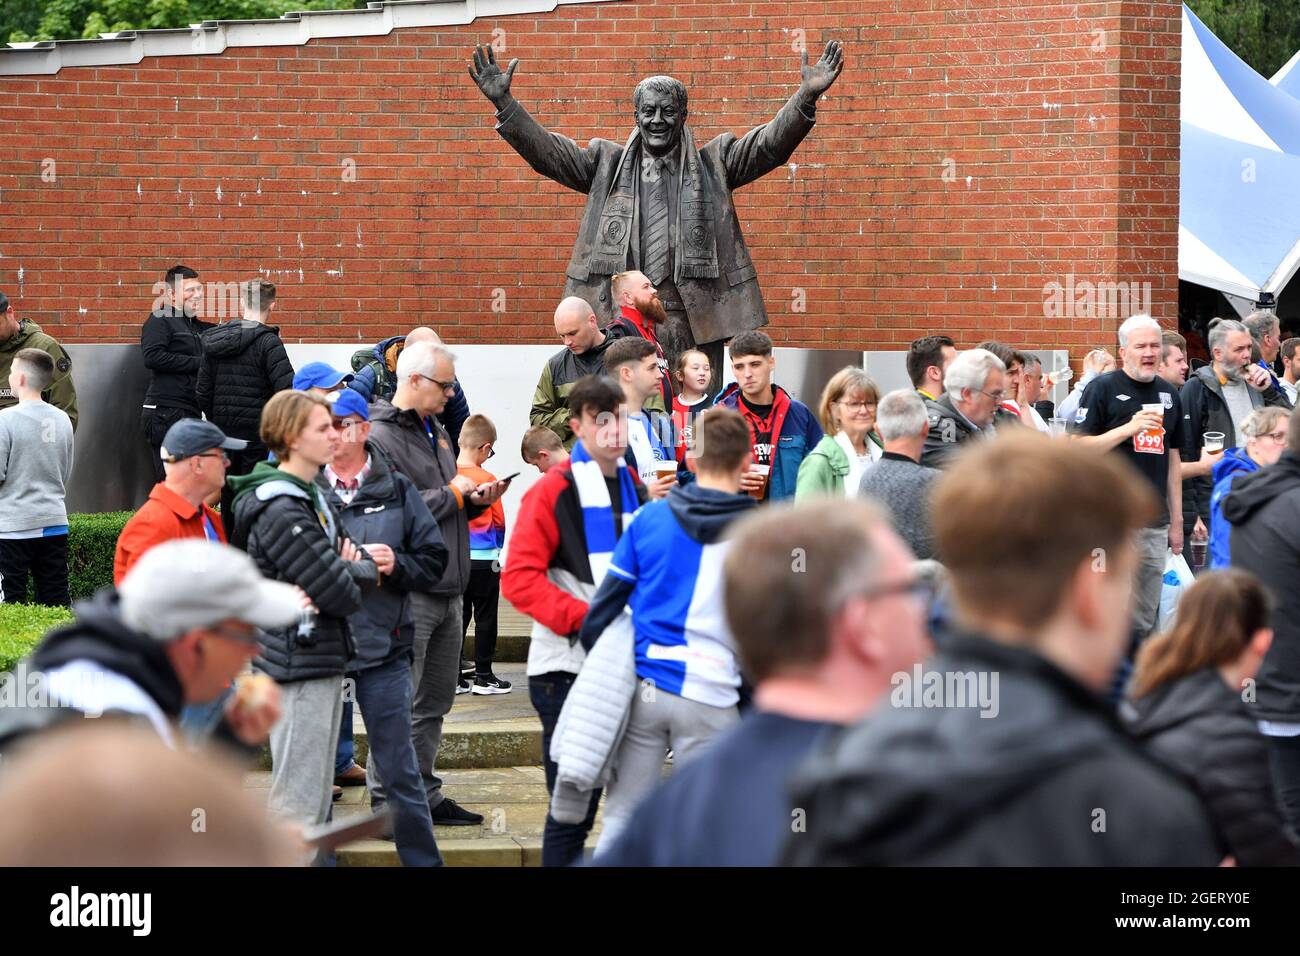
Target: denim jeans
pixel 384 696
pixel 562 843
pixel 345 756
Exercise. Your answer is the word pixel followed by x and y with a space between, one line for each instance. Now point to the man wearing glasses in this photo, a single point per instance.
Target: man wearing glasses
pixel 194 460
pixel 407 430
pixel 974 387
pixel 181 626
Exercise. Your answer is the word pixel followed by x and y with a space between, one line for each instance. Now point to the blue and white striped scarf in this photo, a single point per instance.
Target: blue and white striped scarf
pixel 597 511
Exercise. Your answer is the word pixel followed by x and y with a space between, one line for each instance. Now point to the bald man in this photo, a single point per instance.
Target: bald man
pixel 583 354
pixel 376 377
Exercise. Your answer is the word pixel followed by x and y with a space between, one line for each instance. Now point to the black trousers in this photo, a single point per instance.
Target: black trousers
pixel 481 599
pixel 154 423
pixel 241 463
pixel 46 559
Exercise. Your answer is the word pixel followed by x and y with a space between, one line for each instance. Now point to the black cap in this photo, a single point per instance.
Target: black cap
pixel 194 436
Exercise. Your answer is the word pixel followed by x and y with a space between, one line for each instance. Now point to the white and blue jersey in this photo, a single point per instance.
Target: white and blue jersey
pixel 667 570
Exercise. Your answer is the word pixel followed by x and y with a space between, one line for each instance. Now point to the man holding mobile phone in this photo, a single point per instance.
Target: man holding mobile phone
pixel 408 432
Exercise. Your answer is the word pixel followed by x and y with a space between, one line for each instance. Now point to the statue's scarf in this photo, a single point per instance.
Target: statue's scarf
pixel 695 252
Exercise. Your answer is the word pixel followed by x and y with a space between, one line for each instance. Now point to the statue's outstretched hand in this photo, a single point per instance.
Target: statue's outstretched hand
pixel 818 78
pixel 491 80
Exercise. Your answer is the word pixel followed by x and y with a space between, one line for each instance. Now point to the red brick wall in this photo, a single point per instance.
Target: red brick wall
pixel 1063 116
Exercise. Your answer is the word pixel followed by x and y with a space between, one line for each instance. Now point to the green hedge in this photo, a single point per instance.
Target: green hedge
pixel 22 625
pixel 92 540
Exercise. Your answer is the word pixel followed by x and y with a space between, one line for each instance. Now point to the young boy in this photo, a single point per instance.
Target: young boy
pixel 487 533
pixel 634 366
pixel 784 429
pixel 35 464
pixel 542 449
pixel 667 569
pixel 568 525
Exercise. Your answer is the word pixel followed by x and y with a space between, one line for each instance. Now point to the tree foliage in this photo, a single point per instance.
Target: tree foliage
pixel 1264 33
pixel 86 19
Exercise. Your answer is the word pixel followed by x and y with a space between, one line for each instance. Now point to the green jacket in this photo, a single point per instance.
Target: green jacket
pixel 61 392
pixel 550 407
pixel 823 469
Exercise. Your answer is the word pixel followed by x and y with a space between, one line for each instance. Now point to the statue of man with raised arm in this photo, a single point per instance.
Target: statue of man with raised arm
pixel 659 205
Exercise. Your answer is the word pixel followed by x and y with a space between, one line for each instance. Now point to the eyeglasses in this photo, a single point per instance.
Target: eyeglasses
pixel 491 451
pixel 856 406
pixel 252 638
pixel 996 396
pixel 1278 437
pixel 217 454
pixel 445 386
pixel 917 588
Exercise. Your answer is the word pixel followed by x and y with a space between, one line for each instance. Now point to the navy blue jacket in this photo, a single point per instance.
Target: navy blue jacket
pixel 387 509
pixel 795 435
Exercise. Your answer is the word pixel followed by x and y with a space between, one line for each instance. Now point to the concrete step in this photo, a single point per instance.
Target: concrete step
pixel 480 731
pixel 513 802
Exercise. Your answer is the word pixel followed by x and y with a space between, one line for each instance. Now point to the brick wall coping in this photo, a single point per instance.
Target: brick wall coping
pixel 293 29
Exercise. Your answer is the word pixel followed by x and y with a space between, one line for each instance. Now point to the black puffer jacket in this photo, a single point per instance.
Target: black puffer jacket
pixel 172 346
pixel 1048 778
pixel 1199 725
pixel 1264 511
pixel 277 523
pixel 244 364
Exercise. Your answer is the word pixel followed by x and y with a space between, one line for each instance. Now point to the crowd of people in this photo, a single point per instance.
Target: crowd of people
pixel 918 627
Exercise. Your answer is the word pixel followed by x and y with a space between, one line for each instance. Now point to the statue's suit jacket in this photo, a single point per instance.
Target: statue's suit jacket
pixel 717 308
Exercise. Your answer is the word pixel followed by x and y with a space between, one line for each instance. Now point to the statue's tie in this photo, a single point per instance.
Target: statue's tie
pixel 654 257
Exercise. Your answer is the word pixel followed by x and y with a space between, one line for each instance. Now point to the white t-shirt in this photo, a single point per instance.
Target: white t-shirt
pixel 638 439
pixel 858 464
pixel 1237 397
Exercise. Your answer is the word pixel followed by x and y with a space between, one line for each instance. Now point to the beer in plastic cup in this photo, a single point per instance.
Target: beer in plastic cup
pixel 663 469
pixel 765 471
pixel 1214 441
pixel 1151 440
pixel 1057 425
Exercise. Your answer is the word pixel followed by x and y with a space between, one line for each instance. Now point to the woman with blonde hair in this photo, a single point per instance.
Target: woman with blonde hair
pixel 1265 431
pixel 848 413
pixel 1187 704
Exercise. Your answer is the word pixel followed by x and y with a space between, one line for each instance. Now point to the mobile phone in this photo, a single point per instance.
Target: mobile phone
pixel 510 477
pixel 332 835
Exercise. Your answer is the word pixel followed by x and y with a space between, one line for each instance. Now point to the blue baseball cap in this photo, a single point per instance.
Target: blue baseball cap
pixel 319 375
pixel 349 402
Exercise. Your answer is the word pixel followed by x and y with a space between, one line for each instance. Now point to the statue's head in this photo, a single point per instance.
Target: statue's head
pixel 659 104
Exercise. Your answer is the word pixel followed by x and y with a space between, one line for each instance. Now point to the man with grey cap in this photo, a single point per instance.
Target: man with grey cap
pixel 195 461
pixel 183 624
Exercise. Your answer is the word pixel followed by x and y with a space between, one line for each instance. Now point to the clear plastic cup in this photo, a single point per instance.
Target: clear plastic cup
pixel 1214 441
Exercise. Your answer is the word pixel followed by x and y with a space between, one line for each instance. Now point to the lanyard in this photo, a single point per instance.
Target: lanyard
pixel 209 532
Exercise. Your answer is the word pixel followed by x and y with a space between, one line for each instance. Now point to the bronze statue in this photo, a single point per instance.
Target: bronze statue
pixel 661 205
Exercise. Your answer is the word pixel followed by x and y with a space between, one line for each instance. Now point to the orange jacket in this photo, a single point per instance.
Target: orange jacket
pixel 166 516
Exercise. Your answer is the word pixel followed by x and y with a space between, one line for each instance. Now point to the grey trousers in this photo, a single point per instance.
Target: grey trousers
pixel 1152 543
pixel 303 742
pixel 659 722
pixel 435 671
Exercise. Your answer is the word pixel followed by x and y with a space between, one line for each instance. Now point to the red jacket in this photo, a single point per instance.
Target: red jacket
pixel 549 535
pixel 166 516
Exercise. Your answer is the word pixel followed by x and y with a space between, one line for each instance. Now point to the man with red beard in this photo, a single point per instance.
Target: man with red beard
pixel 641 313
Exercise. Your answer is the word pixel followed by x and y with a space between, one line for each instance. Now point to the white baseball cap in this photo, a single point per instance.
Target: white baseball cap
pixel 191 583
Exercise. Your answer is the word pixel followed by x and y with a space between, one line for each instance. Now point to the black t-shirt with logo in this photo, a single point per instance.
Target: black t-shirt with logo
pixel 760 426
pixel 1112 400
